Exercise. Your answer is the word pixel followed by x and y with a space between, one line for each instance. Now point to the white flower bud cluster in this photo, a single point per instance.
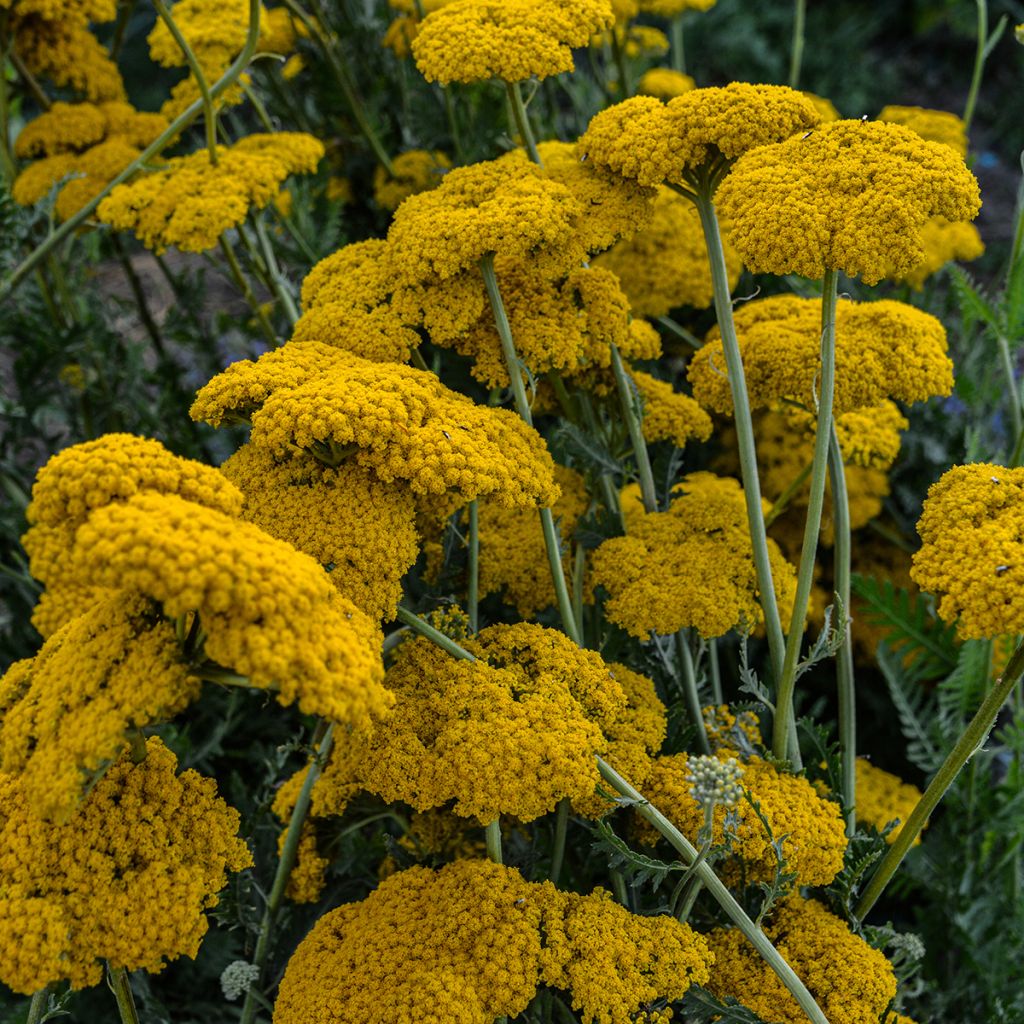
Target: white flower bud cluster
pixel 237 978
pixel 713 780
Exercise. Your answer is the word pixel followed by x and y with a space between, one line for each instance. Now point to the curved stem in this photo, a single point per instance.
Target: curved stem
pixel 243 286
pixel 633 415
pixel 493 836
pixel 209 114
pixel 744 430
pixel 787 683
pixel 286 862
pixel 970 740
pixel 473 589
pixel 561 830
pixel 844 663
pixel 275 279
pixel 173 130
pixel 552 541
pixel 715 671
pixel 691 695
pixel 522 119
pixel 797 54
pixel 979 63
pixel 117 979
pixel 446 643
pixel 715 886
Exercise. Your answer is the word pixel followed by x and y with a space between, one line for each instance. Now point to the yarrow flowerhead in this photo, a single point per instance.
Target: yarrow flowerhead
pixel 850 196
pixel 417 170
pixel 714 781
pixel 664 83
pixel 884 798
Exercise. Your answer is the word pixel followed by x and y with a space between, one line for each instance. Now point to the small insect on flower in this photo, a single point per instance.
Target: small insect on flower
pixel 806 135
pixel 1000 569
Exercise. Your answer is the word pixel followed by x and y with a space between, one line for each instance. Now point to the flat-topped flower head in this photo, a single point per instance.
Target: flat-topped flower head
pixel 658 143
pixel 504 208
pixel 664 83
pixel 474 40
pixel 65 714
pixel 268 611
pixel 144 836
pixel 361 530
pixel 417 170
pixel 670 415
pixel 850 196
pixel 884 350
pixel 972 551
pixel 402 423
pixel 190 202
pixel 691 566
pixel 512 733
pixel 851 982
pixel 665 264
pixel 884 798
pixel 933 125
pixel 943 241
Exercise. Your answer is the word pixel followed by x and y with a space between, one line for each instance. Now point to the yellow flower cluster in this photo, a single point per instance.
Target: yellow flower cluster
pixel 665 264
pixel 415 171
pixel 655 143
pixel 732 733
pixel 691 566
pixel 511 734
pixel 402 31
pixel 54 41
pixel 815 833
pixel 474 941
pixel 66 711
pixel 144 837
pixel 850 981
pixel 825 107
pixel 405 425
pixel 850 196
pixel 668 414
pixel 513 558
pixel 933 125
pixel 87 143
pixel 190 202
pixel 972 552
pixel 664 83
pixel 673 8
pixel 943 241
pixel 473 40
pixel 362 531
pixel 884 349
pixel 883 798
pixel 269 612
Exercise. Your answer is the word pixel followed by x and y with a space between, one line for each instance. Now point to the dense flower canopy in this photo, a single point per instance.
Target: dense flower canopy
pixel 884 798
pixel 144 837
pixel 850 196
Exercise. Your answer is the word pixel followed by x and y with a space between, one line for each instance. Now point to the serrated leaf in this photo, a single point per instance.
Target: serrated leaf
pixel 701 1007
pixel 638 867
pixel 975 307
pixel 915 707
pixel 586 449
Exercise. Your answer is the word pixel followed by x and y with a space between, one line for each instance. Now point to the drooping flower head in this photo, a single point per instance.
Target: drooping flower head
pixel 850 196
pixel 71 893
pixel 691 566
pixel 474 40
pixel 402 423
pixel 884 350
pixel 658 143
pixel 972 551
pixel 190 202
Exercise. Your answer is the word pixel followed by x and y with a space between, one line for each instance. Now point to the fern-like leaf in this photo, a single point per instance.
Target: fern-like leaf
pixel 638 867
pixel 701 1007
pixel 916 708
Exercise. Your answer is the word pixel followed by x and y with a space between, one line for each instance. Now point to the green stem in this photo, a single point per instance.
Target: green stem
pixel 209 113
pixel 629 397
pixel 718 890
pixel 619 888
pixel 744 429
pixel 257 105
pixel 819 470
pixel 243 286
pixel 552 541
pixel 970 741
pixel 493 837
pixel 561 830
pixel 37 1008
pixel 691 695
pixel 473 590
pixel 453 124
pixel 522 119
pixel 31 83
pixel 797 54
pixel 274 276
pixel 679 331
pixel 782 502
pixel 678 52
pixel 289 852
pixel 173 130
pixel 979 63
pixel 124 15
pixel 844 664
pixel 579 565
pixel 424 629
pixel 1012 388
pixel 117 979
pixel 619 53
pixel 715 672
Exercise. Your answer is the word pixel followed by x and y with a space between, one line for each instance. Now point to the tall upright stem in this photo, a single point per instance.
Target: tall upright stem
pixel 979 63
pixel 522 119
pixel 493 836
pixel 676 41
pixel 819 470
pixel 688 678
pixel 630 400
pixel 247 293
pixel 561 830
pixel 714 885
pixel 970 740
pixel 797 53
pixel 552 541
pixel 744 429
pixel 325 738
pixel 117 979
pixel 844 662
pixel 1012 387
pixel 37 1008
pixel 275 279
pixel 473 588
